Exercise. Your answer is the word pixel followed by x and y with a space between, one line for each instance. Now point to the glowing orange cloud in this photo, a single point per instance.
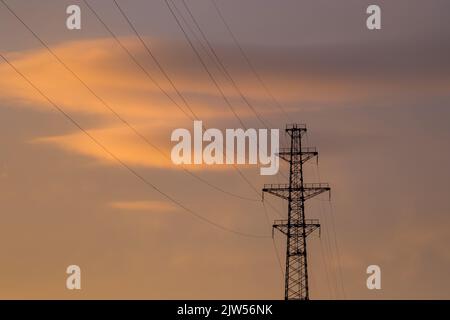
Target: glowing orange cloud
pixel 105 68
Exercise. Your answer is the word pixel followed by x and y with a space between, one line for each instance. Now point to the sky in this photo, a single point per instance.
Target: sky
pixel 376 104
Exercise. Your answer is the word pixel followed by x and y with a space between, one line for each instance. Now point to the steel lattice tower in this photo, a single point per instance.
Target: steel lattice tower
pixel 296 227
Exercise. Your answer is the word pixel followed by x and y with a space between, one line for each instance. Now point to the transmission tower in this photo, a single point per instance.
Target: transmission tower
pixel 296 228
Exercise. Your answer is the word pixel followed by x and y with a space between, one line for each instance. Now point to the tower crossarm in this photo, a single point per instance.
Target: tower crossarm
pixel 309 189
pixel 283 226
pixel 313 189
pixel 305 153
pixel 278 189
pixel 296 127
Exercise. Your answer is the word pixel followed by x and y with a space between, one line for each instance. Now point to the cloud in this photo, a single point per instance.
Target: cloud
pixel 102 65
pixel 119 140
pixel 319 76
pixel 367 154
pixel 107 70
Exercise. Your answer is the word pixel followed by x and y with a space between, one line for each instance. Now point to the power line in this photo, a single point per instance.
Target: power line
pixel 205 67
pixel 154 57
pixel 330 252
pixel 121 162
pixel 333 227
pixel 147 48
pixel 249 63
pixel 105 104
pixel 162 69
pixel 223 67
pixel 117 115
pixel 158 64
pixel 339 281
pixel 145 71
pixel 325 266
pixel 277 255
pixel 115 157
pixel 133 58
pixel 337 249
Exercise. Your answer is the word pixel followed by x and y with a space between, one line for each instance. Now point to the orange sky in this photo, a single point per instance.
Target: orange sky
pixel 377 109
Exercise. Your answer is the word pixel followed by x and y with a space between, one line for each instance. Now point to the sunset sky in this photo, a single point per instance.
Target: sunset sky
pixel 376 103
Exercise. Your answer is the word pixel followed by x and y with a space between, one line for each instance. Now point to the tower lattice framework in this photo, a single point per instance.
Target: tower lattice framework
pixel 296 228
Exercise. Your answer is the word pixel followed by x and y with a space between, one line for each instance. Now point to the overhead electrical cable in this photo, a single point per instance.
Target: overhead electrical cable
pixel 122 163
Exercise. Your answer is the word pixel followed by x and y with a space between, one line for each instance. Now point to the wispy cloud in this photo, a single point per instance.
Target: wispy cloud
pixel 107 70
